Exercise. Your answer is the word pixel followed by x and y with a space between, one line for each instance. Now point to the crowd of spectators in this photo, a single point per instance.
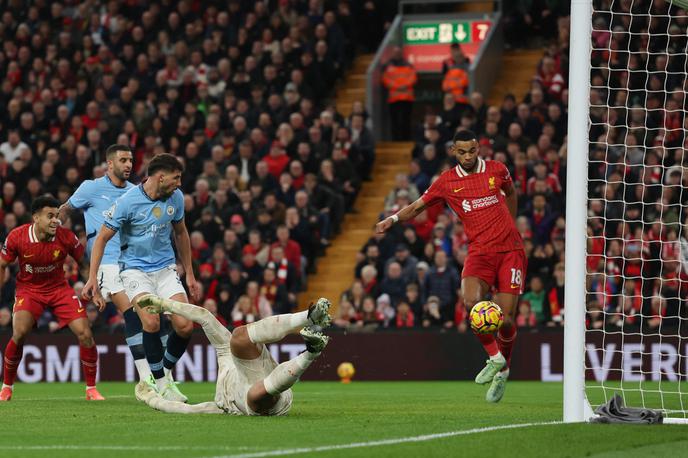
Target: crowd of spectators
pixel 239 90
pixel 636 219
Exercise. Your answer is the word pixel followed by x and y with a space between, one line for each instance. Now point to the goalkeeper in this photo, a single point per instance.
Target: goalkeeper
pixel 249 381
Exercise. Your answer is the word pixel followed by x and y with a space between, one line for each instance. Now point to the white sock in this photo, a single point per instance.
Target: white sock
pixel 161 383
pixel 498 356
pixel 11 387
pixel 142 368
pixel 287 374
pixel 274 328
pixel 168 373
pixel 89 387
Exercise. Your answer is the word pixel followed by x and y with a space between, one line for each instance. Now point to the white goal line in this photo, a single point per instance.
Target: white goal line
pixel 393 441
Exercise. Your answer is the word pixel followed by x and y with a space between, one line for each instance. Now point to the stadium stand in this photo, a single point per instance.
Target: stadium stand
pixel 240 91
pixel 417 266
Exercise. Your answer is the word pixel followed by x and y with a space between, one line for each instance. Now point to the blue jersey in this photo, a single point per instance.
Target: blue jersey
pixel 96 197
pixel 145 228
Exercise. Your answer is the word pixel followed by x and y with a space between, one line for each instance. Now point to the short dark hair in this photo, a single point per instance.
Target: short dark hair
pixel 39 203
pixel 165 162
pixel 464 136
pixel 112 150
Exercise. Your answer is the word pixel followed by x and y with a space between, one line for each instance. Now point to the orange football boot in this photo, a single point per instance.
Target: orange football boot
pixel 92 394
pixel 6 394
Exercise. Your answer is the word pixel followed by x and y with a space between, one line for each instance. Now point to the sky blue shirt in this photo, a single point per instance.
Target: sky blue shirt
pixel 145 228
pixel 95 198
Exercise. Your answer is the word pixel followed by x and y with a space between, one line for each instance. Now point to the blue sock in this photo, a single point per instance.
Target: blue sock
pixel 176 346
pixel 165 331
pixel 133 332
pixel 154 353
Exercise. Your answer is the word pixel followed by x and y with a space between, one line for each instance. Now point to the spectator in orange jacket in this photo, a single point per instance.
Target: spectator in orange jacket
pixel 455 71
pixel 399 77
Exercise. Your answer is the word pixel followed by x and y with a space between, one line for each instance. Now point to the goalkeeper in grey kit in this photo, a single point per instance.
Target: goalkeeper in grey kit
pixel 249 381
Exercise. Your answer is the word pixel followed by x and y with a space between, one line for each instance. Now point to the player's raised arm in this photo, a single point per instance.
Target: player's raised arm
pixel 63 212
pixel 181 236
pixel 91 287
pixel 408 212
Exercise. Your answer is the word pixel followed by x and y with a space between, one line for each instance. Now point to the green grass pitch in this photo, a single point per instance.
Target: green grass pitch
pixel 53 420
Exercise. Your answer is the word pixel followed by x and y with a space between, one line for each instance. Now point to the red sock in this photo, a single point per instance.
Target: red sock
pixel 506 338
pixel 89 363
pixel 489 343
pixel 13 356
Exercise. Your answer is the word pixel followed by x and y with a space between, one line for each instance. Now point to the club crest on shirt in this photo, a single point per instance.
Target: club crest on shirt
pixel 56 254
pixel 491 182
pixel 170 210
pixel 157 212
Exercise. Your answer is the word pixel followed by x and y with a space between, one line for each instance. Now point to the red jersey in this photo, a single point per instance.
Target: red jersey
pixel 41 264
pixel 477 198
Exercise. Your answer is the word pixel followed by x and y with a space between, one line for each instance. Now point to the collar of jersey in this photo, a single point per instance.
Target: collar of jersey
pixel 33 238
pixel 143 191
pixel 107 177
pixel 462 173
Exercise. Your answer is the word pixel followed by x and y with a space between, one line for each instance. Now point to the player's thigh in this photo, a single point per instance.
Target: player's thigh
pixel 511 272
pixel 168 285
pixel 260 402
pixel 26 311
pixel 67 307
pixel 137 283
pixel 478 275
pixel 111 286
pixel 242 347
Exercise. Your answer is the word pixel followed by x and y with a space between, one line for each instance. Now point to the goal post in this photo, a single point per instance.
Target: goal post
pixel 626 312
pixel 576 211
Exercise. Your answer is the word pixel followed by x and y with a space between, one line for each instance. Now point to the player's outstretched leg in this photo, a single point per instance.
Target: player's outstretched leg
pixel 263 396
pixel 275 328
pixel 217 334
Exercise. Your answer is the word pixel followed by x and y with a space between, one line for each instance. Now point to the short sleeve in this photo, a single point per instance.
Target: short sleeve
pixel 178 204
pixel 74 247
pixel 9 248
pixel 435 193
pixel 505 176
pixel 80 199
pixel 116 216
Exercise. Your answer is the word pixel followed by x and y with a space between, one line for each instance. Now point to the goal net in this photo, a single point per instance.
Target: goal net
pixel 636 241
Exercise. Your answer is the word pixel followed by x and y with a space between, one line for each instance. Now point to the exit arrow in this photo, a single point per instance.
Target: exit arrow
pixel 460 32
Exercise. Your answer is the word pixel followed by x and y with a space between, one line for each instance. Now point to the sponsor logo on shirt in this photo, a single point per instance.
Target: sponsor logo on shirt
pixel 475 204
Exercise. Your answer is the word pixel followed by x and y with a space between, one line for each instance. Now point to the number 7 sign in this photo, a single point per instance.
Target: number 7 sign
pixel 479 30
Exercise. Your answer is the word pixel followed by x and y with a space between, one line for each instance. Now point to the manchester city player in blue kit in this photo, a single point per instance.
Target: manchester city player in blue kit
pixel 95 198
pixel 145 217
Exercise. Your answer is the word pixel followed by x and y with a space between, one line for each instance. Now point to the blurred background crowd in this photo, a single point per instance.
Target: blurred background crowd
pixel 241 92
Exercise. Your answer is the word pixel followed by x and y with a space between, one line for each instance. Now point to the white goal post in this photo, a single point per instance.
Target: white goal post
pixel 626 328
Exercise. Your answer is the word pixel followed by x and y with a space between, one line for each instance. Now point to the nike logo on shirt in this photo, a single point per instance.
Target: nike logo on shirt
pixel 459 189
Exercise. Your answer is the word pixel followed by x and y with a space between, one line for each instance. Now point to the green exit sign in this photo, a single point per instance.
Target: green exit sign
pixel 441 32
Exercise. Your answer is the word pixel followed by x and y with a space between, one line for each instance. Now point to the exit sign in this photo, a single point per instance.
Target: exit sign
pixel 426 44
pixel 418 33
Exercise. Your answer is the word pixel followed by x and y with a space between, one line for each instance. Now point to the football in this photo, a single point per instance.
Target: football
pixel 346 371
pixel 486 317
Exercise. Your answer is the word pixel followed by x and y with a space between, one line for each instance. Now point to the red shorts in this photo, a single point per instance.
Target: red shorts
pixel 63 303
pixel 505 271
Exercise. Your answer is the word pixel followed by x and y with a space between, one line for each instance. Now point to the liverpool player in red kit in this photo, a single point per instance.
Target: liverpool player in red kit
pixel 482 194
pixel 41 248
